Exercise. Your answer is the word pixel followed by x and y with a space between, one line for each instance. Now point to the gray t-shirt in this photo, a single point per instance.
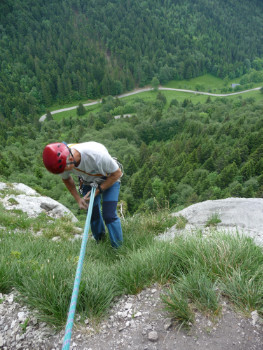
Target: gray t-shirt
pixel 95 164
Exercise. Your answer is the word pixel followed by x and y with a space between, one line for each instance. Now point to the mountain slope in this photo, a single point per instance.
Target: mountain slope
pixel 70 50
pixel 136 320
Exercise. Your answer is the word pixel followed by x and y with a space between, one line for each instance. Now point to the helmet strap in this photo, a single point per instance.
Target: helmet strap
pixel 70 152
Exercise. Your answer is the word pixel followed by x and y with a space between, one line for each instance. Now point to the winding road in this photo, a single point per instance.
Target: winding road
pixel 138 91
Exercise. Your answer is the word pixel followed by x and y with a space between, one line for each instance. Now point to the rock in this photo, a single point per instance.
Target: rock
pixel 128 306
pixel 48 206
pixel 1 341
pixel 76 237
pixel 34 321
pixel 3 186
pixel 255 317
pixel 10 298
pixel 32 203
pixel 242 215
pixel 153 336
pixel 56 239
pixel 24 189
pixel 21 316
pixel 167 324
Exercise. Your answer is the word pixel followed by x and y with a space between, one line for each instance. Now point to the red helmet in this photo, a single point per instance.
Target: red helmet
pixel 55 157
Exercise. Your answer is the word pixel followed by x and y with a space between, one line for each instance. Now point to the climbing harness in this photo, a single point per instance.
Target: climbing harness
pixel 74 297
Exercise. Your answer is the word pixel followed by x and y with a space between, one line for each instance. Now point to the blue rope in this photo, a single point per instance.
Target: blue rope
pixel 74 297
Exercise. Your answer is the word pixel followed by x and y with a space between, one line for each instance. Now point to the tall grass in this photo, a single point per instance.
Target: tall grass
pixel 199 270
pixel 43 271
pixel 14 219
pixel 215 266
pixel 140 269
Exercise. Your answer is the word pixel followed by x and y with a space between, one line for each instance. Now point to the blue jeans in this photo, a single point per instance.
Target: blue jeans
pixel 109 215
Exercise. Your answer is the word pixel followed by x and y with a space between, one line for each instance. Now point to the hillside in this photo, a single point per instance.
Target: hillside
pixel 174 153
pixel 135 319
pixel 83 50
pixel 198 156
pixel 175 150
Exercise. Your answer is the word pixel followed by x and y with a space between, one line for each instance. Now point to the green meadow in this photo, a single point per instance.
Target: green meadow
pixel 205 83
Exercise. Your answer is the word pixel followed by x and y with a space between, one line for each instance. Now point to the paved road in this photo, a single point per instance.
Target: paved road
pixel 138 91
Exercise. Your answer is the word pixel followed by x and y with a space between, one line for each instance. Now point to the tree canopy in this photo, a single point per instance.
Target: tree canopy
pixel 59 52
pixel 70 50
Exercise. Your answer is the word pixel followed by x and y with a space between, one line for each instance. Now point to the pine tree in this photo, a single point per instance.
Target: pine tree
pixel 81 110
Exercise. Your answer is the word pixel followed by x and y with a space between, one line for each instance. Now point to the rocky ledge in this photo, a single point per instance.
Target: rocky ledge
pixel 21 197
pixel 134 322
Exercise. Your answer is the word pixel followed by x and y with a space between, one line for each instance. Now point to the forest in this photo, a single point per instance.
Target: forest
pixel 69 50
pixel 174 154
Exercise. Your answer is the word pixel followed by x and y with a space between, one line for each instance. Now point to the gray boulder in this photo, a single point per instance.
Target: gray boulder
pixel 242 215
pixel 20 196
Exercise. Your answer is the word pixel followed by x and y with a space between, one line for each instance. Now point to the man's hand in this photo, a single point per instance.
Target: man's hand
pixel 111 179
pixel 83 204
pixel 87 196
pixel 72 189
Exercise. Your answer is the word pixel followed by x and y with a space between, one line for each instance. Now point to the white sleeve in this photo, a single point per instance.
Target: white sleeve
pixel 108 164
pixel 65 175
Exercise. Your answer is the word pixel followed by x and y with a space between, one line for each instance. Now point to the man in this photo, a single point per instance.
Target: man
pixel 91 161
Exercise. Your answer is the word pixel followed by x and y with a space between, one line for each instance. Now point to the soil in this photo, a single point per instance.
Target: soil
pixel 135 322
pixel 140 323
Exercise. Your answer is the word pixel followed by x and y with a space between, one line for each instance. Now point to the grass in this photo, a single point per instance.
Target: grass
pixel 68 105
pixel 205 83
pixel 223 265
pixel 257 95
pixel 213 220
pixel 13 221
pixel 151 96
pixel 16 220
pixel 178 306
pixel 194 97
pixel 24 325
pixel 73 113
pixel 170 95
pixel 197 270
pixel 142 268
pixel 181 222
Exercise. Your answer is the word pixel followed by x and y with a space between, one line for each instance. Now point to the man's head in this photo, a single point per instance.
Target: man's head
pixel 55 157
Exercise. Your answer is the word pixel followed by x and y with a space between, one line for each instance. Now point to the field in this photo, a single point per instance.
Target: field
pixel 205 83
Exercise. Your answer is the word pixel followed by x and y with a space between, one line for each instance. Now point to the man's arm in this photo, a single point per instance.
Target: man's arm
pixel 70 184
pixel 111 179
